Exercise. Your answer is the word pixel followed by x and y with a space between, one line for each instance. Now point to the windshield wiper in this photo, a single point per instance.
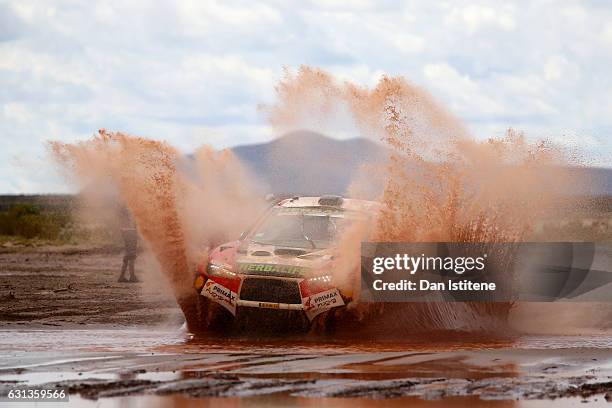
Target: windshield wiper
pixel 306 237
pixel 260 242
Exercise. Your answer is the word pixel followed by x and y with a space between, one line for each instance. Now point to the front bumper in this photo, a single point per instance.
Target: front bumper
pixel 269 305
pixel 313 298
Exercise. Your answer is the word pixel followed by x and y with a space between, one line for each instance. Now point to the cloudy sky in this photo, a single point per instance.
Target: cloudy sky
pixel 193 72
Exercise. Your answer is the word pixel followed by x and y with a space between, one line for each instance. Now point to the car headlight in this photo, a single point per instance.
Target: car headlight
pixel 319 279
pixel 220 271
pixel 198 284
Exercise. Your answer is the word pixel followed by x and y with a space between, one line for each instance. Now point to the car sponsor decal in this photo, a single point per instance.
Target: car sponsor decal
pixel 266 305
pixel 271 269
pixel 220 294
pixel 320 302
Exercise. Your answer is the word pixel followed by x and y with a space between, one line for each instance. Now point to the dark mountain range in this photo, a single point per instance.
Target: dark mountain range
pixel 306 162
pixel 309 163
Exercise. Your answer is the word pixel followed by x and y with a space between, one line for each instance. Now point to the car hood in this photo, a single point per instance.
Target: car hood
pixel 282 261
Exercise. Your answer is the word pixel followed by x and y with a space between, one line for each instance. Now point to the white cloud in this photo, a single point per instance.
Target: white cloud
pixel 553 69
pixel 607 33
pixel 194 71
pixel 467 95
pixel 478 17
pixel 17 111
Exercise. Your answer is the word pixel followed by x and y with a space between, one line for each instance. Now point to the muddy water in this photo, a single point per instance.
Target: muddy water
pixel 126 340
pixel 287 401
pixel 165 368
pixel 120 359
pixel 440 184
pixel 176 216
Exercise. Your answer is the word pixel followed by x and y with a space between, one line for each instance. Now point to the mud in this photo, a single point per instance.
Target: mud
pixel 177 217
pixel 65 322
pixel 77 287
pixel 209 368
pixel 439 184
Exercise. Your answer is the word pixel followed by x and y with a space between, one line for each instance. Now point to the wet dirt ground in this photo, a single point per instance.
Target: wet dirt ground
pixel 68 287
pixel 66 323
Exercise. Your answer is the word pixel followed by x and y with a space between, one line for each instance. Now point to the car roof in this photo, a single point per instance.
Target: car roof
pixel 350 204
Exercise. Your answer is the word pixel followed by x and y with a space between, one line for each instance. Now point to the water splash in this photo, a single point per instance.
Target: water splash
pixel 441 184
pixel 178 214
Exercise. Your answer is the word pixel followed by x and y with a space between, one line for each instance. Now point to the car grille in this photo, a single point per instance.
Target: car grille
pixel 270 290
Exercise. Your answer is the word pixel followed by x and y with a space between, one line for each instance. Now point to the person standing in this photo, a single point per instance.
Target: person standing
pixel 130 242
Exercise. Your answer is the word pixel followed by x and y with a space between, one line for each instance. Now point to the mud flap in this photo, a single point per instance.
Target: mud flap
pixel 221 294
pixel 317 303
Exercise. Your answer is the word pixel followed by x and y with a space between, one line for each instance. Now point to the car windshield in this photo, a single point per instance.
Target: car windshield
pixel 301 227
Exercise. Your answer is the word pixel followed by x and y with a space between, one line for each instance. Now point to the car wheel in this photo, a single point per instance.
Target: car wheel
pixel 213 315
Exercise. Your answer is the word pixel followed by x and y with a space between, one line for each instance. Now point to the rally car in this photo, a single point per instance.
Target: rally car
pixel 285 262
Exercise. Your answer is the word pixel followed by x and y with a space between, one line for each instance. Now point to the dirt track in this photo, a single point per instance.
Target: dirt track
pixel 66 322
pixel 73 287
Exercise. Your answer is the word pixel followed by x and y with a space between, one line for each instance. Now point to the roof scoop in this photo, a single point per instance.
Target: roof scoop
pixel 261 253
pixel 289 252
pixel 331 200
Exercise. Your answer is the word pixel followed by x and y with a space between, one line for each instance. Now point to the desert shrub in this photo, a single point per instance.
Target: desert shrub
pixel 28 221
